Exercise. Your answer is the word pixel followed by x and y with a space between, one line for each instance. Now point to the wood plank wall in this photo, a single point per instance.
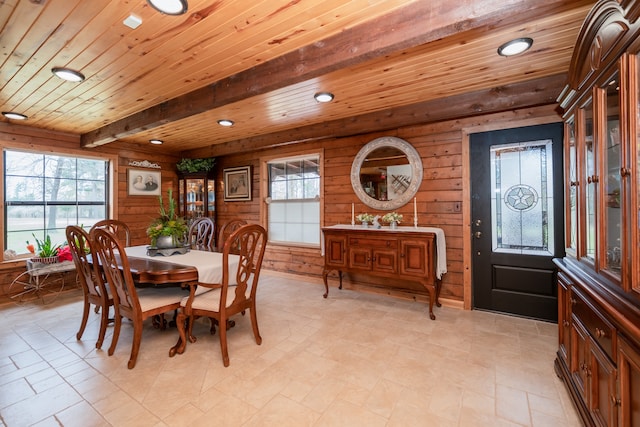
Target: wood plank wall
pixel 439 198
pixel 442 201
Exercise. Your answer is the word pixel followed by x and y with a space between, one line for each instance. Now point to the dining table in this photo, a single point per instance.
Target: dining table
pixel 186 269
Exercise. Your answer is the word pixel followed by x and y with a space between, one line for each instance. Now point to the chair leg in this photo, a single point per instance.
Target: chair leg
pixel 254 325
pixel 85 316
pixel 183 330
pixel 104 321
pixel 223 344
pixel 117 322
pixel 135 345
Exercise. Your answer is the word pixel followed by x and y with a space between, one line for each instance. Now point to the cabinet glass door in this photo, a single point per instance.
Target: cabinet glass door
pixel 195 197
pixel 211 197
pixel 590 180
pixel 612 161
pixel 571 170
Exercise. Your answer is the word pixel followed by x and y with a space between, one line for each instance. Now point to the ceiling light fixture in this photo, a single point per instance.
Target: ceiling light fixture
pixel 14 116
pixel 156 141
pixel 132 21
pixel 323 97
pixel 515 47
pixel 169 7
pixel 225 122
pixel 68 74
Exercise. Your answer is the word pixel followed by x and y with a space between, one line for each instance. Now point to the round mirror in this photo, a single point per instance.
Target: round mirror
pixel 386 173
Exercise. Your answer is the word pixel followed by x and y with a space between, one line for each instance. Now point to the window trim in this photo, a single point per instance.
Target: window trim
pixel 40 148
pixel 264 191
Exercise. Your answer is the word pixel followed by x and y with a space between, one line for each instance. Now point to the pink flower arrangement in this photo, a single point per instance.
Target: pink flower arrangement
pixel 64 254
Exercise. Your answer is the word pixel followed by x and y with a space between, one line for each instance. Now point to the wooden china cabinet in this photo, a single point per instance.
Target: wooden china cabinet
pixel 197 196
pixel 599 278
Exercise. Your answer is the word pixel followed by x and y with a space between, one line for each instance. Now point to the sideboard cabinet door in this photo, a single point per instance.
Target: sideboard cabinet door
pixel 336 251
pixel 414 257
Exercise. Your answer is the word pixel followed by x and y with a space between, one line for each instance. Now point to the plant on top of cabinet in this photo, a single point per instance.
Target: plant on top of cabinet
pixel 195 165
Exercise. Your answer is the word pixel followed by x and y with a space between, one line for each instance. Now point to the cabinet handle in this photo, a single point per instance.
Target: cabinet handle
pixel 573 301
pixel 574 183
pixel 592 179
pixel 600 333
pixel 615 401
pixel 565 323
pixel 625 172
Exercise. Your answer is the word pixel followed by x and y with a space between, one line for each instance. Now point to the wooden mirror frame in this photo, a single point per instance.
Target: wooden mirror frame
pixel 416 172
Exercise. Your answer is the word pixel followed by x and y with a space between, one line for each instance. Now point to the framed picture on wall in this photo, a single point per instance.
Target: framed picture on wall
pixel 142 182
pixel 237 183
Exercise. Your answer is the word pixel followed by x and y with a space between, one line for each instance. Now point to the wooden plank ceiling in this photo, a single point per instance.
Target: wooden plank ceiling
pixel 259 63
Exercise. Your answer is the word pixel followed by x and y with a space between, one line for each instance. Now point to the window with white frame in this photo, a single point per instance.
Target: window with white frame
pixel 43 193
pixel 294 200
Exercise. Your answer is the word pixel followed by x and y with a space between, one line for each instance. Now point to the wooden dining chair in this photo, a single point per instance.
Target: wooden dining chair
pixel 94 289
pixel 134 304
pixel 235 294
pixel 201 234
pixel 226 230
pixel 117 227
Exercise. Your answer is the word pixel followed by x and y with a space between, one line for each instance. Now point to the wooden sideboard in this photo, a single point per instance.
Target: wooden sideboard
pixel 405 253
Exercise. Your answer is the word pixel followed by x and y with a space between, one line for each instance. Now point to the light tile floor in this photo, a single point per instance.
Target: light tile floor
pixel 353 359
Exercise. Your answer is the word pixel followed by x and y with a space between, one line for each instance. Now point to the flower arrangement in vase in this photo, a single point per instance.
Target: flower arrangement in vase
pixel 393 218
pixel 365 218
pixel 168 230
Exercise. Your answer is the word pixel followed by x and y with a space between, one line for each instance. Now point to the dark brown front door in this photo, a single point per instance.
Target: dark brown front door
pixel 517 219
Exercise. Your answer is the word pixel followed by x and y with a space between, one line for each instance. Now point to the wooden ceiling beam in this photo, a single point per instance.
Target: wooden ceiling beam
pixel 415 24
pixel 532 93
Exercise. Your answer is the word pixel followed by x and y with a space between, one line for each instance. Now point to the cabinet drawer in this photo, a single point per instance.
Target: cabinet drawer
pixel 604 333
pixel 377 243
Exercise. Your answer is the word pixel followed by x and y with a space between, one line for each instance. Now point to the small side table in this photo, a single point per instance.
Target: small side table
pixel 41 281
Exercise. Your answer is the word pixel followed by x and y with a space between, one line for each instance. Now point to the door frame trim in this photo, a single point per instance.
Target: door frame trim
pixel 467 273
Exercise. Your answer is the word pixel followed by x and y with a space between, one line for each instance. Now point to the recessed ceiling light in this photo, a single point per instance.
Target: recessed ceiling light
pixel 14 116
pixel 68 74
pixel 323 97
pixel 225 122
pixel 169 7
pixel 156 141
pixel 515 47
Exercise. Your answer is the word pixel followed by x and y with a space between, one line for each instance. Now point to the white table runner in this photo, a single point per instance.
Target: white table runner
pixel 209 264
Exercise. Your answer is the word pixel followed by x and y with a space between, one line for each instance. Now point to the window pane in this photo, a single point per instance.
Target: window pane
pixel 21 164
pixel 23 188
pixel 60 190
pixel 56 166
pixel 46 193
pixel 294 213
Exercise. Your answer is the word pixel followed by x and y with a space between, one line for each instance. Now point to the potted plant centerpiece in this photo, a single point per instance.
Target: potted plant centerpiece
pixel 168 230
